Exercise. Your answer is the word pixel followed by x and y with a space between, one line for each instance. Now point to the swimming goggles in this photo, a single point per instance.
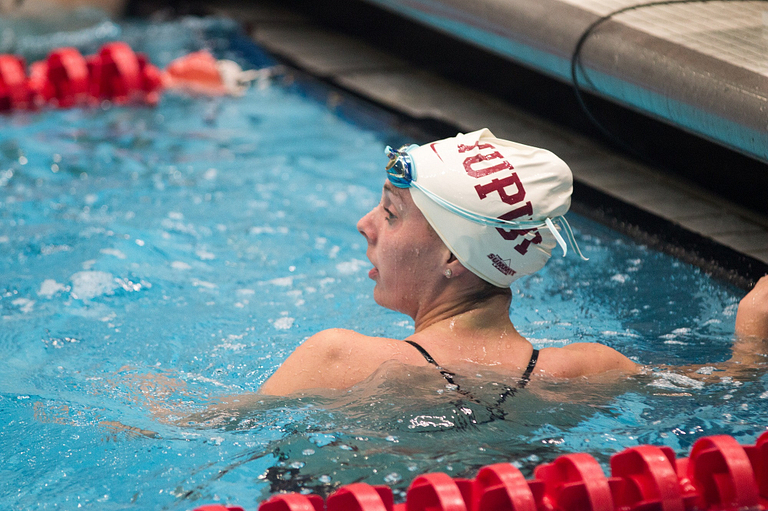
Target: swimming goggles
pixel 401 173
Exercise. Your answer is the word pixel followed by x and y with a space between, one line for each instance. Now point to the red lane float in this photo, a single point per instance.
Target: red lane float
pixel 66 79
pixel 14 87
pixel 502 486
pixel 293 502
pixel 574 482
pixel 722 474
pixel 219 507
pixel 719 475
pixel 758 457
pixel 361 497
pixel 438 491
pixel 647 480
pixel 116 74
pixel 62 80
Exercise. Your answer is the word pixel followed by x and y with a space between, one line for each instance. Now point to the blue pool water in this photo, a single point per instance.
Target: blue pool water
pixel 157 262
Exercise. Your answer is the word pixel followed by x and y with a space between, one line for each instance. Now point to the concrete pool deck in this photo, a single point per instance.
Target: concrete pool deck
pixel 697 64
pixel 371 73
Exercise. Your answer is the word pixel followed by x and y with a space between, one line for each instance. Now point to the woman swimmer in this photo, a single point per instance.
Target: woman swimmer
pixel 459 220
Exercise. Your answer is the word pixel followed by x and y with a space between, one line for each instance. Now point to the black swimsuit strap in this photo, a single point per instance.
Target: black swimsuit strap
pixel 423 352
pixel 446 374
pixel 524 379
pixel 496 411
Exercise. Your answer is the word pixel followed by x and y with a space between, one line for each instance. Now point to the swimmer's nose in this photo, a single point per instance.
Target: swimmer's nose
pixel 364 226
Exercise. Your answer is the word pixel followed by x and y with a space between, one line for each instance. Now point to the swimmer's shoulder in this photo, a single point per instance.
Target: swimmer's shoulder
pixel 340 343
pixel 582 359
pixel 336 359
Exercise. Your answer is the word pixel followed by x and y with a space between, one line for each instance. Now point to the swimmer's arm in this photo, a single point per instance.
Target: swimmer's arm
pixel 331 359
pixel 752 316
pixel 749 350
pixel 750 347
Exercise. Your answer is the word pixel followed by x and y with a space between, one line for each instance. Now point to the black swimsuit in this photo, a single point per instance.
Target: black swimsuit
pixel 524 379
pixel 494 410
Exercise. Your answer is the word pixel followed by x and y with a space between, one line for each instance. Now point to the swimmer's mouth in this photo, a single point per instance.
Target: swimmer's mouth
pixel 373 272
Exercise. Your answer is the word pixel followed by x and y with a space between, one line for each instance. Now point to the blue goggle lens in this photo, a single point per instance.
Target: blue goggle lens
pixel 399 167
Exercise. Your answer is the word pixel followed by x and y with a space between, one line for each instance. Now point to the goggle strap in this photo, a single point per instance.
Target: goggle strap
pixel 519 225
pixel 556 234
pixel 571 238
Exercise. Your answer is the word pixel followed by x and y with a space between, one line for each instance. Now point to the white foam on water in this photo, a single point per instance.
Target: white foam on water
pixel 205 255
pixel 282 281
pixel 204 284
pixel 667 380
pixel 113 252
pixel 50 287
pixel 284 323
pixel 25 305
pixel 90 284
pixel 353 266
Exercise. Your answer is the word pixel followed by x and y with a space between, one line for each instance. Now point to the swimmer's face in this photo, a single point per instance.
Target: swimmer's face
pixel 407 255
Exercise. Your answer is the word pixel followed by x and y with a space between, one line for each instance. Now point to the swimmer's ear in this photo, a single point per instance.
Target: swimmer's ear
pixel 455 266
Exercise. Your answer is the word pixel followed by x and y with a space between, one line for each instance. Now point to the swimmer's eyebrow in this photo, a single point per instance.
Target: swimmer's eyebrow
pixel 392 194
pixel 388 187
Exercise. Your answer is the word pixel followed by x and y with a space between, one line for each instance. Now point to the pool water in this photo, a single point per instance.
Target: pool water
pixel 158 264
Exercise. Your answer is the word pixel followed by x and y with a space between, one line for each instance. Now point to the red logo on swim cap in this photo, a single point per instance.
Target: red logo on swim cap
pixel 432 145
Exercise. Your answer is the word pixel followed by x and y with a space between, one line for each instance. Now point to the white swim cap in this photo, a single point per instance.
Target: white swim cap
pixel 491 201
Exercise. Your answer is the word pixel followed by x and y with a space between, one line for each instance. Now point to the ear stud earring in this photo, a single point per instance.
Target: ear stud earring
pixel 448 273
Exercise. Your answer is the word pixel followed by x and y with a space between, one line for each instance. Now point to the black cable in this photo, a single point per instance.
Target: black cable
pixel 576 64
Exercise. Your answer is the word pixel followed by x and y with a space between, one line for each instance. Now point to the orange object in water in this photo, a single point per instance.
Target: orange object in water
pixel 196 73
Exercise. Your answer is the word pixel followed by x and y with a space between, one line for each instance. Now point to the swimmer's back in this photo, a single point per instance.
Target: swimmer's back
pixel 339 358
